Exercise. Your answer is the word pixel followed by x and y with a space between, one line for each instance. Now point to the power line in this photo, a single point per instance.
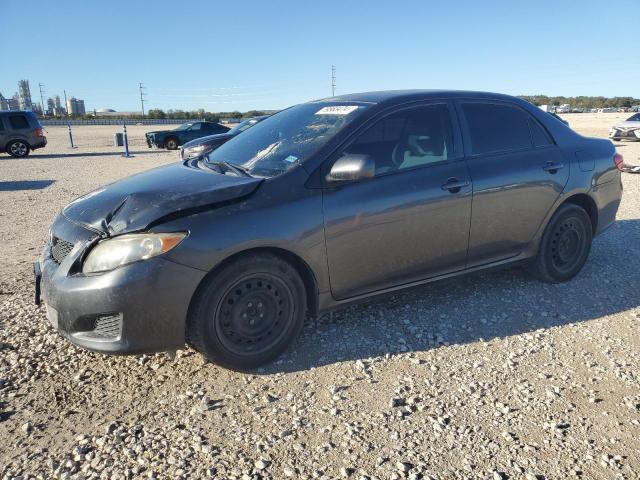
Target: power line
pixel 333 80
pixel 142 94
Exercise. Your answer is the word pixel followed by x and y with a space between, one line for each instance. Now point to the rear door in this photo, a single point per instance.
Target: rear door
pixel 518 173
pixel 409 222
pixel 3 134
pixel 18 125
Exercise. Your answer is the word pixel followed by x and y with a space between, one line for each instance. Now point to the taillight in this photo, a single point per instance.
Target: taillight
pixel 618 160
pixel 39 132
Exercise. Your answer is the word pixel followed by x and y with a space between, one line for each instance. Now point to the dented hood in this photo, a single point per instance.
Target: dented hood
pixel 136 202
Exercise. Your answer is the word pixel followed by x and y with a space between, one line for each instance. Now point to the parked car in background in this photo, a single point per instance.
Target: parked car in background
pixel 20 133
pixel 172 139
pixel 627 130
pixel 320 205
pixel 196 149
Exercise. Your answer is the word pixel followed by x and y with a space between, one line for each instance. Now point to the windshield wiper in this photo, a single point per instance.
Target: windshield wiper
pixel 232 167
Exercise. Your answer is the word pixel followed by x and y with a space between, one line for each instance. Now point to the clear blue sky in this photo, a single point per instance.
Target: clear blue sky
pixel 270 54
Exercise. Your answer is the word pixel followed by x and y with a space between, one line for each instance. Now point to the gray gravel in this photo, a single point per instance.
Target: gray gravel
pixel 489 376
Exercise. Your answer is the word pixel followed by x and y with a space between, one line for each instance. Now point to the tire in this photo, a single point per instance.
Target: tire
pixel 18 149
pixel 565 245
pixel 247 313
pixel 171 143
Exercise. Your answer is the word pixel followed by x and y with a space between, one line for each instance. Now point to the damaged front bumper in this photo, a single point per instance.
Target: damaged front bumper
pixel 136 308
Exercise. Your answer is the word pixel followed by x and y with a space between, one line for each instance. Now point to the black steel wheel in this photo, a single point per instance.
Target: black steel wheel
pixel 248 312
pixel 254 314
pixel 565 245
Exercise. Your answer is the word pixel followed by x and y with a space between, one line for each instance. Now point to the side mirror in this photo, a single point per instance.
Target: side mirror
pixel 352 167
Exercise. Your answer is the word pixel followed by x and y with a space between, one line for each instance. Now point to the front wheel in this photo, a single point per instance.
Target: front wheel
pixel 18 149
pixel 565 245
pixel 248 313
pixel 171 144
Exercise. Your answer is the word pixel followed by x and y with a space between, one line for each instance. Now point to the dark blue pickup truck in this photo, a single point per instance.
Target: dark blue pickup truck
pixel 172 139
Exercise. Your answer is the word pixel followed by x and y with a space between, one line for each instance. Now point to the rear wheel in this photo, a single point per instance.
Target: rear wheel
pixel 171 144
pixel 248 313
pixel 565 245
pixel 18 148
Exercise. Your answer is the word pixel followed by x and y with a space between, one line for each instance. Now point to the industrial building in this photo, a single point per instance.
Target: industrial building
pixel 9 103
pixel 75 106
pixel 24 95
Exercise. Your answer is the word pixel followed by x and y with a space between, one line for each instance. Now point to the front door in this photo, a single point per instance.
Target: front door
pixel 409 222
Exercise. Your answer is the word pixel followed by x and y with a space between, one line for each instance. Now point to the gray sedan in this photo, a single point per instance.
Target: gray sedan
pixel 320 205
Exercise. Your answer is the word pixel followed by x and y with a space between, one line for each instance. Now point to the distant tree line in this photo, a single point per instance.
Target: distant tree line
pixel 200 114
pixel 583 102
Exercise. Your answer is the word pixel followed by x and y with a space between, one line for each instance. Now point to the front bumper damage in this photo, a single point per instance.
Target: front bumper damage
pixel 137 308
pixel 624 133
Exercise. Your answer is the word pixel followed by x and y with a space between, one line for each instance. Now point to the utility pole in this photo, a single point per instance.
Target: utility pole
pixel 333 80
pixel 142 94
pixel 41 98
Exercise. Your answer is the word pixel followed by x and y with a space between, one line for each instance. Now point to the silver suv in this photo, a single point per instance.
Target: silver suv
pixel 20 132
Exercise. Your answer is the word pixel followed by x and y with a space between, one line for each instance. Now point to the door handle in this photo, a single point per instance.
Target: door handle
pixel 454 185
pixel 552 167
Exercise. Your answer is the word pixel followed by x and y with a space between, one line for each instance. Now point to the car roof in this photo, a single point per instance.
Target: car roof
pixel 399 96
pixel 13 112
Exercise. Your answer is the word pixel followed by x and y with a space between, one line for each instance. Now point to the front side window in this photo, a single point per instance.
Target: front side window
pixel 408 138
pixel 538 134
pixel 18 121
pixel 286 139
pixel 496 127
pixel 195 127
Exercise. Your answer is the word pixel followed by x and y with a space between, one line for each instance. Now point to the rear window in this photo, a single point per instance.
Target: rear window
pixel 18 121
pixel 496 127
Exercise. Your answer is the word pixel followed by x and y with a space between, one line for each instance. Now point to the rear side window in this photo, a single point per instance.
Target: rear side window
pixel 538 134
pixel 18 121
pixel 496 127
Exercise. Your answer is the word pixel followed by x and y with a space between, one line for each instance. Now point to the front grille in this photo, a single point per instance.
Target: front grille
pixel 60 249
pixel 108 326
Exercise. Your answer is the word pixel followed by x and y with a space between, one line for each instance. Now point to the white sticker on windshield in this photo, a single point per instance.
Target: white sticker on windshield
pixel 337 110
pixel 291 158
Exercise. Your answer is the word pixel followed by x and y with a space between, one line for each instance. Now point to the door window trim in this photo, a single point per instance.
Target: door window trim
pixel 457 140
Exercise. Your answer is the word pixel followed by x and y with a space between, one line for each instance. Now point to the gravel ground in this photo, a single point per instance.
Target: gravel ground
pixel 492 375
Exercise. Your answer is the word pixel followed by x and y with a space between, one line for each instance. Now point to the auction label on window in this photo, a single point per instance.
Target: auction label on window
pixel 337 110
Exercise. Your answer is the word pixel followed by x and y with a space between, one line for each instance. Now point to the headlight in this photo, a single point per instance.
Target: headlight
pixel 117 251
pixel 194 151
